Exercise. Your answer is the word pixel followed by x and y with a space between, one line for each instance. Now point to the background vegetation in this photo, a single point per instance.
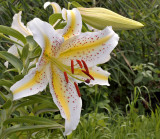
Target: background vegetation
pixel 129 108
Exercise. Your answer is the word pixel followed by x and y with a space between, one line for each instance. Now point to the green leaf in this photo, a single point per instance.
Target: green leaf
pixel 54 17
pixel 9 39
pixel 25 51
pixel 12 59
pixel 23 103
pixel 43 99
pixel 7 104
pixel 32 42
pixel 13 69
pixel 81 0
pixel 60 26
pixel 32 120
pixel 7 83
pixel 76 4
pixel 14 129
pixel 3 115
pixel 18 77
pixel 3 96
pixel 138 79
pixel 12 32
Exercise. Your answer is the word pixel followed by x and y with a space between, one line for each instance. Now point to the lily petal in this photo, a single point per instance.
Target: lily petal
pixel 100 76
pixel 19 26
pixel 74 23
pixel 47 38
pixel 13 50
pixel 92 47
pixel 55 6
pixel 65 97
pixel 31 84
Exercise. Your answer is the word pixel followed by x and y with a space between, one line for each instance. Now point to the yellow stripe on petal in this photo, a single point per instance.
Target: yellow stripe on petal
pixel 60 91
pixel 74 23
pixel 51 47
pixel 98 75
pixel 54 8
pixel 65 97
pixel 37 78
pixel 92 47
pixel 47 46
pixel 80 47
pixel 71 27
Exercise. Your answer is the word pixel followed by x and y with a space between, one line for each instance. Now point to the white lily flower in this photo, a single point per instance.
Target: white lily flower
pixel 67 59
pixel 19 26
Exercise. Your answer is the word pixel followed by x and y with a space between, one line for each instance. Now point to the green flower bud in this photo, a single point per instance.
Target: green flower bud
pixel 99 18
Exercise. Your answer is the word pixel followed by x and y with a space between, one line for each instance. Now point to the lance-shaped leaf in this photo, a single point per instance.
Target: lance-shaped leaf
pixel 12 32
pixel 16 128
pixel 12 59
pixel 99 18
pixel 54 17
pixel 33 120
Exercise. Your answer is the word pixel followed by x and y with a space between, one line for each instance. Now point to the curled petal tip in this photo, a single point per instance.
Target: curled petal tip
pixel 46 4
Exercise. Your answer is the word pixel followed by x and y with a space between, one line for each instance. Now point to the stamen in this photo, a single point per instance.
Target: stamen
pixel 72 66
pixel 66 76
pixel 85 72
pixel 85 66
pixel 87 81
pixel 79 63
pixel 78 91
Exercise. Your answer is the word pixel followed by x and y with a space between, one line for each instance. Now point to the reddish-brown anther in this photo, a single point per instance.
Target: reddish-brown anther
pixel 85 66
pixel 72 66
pixel 66 77
pixel 88 74
pixel 78 91
pixel 79 63
pixel 87 81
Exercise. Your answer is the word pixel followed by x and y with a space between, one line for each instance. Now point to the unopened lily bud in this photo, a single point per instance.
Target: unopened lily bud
pixel 99 18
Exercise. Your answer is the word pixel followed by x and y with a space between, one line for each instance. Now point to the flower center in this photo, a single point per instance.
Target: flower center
pixel 70 70
pixel 81 70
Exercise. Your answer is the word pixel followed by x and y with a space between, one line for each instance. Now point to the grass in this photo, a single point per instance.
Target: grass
pixel 117 126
